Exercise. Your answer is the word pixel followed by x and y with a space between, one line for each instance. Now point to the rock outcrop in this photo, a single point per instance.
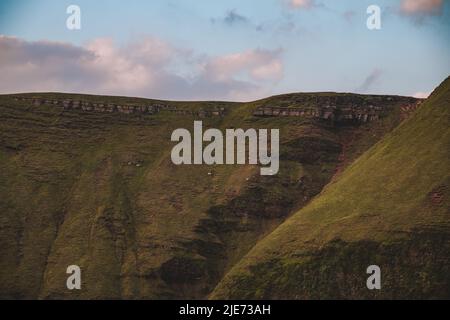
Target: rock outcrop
pixel 339 109
pixel 153 108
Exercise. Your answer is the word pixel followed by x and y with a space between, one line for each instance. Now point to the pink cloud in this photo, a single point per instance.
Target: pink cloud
pixel 421 95
pixel 421 7
pixel 148 67
pixel 255 64
pixel 122 73
pixel 306 4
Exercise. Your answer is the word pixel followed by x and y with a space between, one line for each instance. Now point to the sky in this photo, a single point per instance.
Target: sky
pixel 238 50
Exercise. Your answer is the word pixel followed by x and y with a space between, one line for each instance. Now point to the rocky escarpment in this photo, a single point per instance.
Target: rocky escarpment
pixel 338 109
pixel 153 108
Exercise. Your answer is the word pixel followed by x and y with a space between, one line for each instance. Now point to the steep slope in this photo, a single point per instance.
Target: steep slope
pixel 389 208
pixel 87 180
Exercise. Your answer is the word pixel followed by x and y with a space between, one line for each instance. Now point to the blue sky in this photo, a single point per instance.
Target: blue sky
pixel 224 50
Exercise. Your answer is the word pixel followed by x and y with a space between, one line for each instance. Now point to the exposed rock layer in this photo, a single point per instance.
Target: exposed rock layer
pixel 339 109
pixel 121 108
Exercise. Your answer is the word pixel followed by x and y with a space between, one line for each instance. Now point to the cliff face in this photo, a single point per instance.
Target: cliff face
pixel 142 108
pixel 88 180
pixel 339 110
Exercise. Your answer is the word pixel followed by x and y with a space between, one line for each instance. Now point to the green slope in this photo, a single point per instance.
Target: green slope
pixel 99 190
pixel 389 208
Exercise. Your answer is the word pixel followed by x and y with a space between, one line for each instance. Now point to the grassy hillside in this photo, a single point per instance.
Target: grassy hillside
pixel 389 208
pixel 99 190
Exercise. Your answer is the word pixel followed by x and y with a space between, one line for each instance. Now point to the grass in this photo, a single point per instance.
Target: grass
pixel 379 211
pixel 99 190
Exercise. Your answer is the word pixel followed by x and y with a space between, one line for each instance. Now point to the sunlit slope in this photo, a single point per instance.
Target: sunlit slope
pixel 389 208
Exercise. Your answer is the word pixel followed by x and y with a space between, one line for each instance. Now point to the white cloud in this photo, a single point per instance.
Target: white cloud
pixel 149 67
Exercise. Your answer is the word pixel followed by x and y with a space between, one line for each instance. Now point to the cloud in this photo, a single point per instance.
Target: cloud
pixel 304 4
pixel 256 64
pixel 421 7
pixel 232 18
pixel 370 80
pixel 420 10
pixel 149 67
pixel 421 95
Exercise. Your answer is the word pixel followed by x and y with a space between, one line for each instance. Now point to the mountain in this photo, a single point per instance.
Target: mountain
pixel 88 181
pixel 389 208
